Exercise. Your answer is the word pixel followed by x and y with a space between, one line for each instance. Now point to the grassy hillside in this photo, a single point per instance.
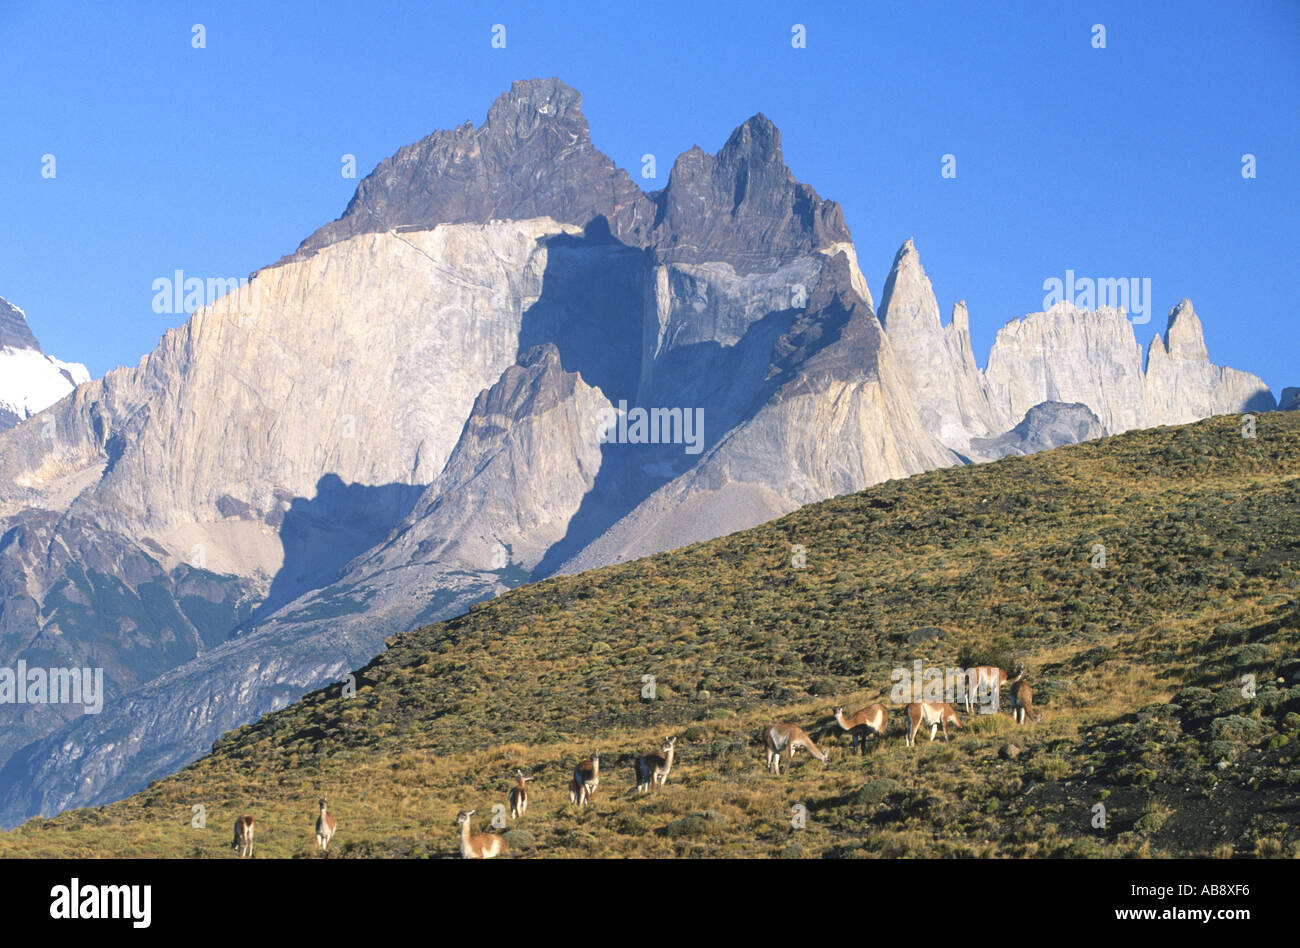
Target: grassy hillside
pixel 1137 668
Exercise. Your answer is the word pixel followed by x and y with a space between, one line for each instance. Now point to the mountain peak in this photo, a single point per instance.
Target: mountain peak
pixel 532 103
pixel 14 331
pixel 1184 337
pixel 755 139
pixel 908 303
pixel 531 157
pixel 742 205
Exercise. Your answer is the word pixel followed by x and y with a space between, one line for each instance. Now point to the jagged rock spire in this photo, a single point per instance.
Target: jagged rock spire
pixel 937 363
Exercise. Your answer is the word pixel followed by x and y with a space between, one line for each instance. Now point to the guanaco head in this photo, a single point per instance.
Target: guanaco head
pixel 838 712
pixel 463 817
pixel 950 715
pixel 324 800
pixel 668 744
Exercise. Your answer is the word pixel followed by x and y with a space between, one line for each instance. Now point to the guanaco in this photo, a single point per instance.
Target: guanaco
pixel 244 836
pixel 518 796
pixel 325 825
pixel 1022 702
pixel 586 777
pixel 653 769
pixel 874 718
pixel 782 740
pixel 988 679
pixel 478 845
pixel 931 714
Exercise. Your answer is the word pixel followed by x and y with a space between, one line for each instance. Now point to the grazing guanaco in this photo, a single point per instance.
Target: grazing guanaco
pixel 586 777
pixel 325 825
pixel 931 714
pixel 478 845
pixel 243 836
pixel 782 740
pixel 518 796
pixel 873 718
pixel 988 679
pixel 1022 702
pixel 652 769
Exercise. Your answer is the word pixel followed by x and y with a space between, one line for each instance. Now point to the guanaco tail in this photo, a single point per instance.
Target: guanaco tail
pixel 243 836
pixel 478 845
pixel 874 718
pixel 782 740
pixel 518 796
pixel 652 769
pixel 931 714
pixel 325 825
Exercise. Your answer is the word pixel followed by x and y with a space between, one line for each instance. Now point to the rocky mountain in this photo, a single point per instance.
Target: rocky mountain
pixel 531 158
pixel 503 361
pixel 1094 358
pixel 960 407
pixel 1182 385
pixel 30 380
pixel 1290 400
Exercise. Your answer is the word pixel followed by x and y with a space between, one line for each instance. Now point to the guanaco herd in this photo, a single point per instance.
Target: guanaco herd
pixel 652 769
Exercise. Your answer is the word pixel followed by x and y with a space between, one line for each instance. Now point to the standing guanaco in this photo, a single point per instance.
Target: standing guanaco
pixel 931 714
pixel 782 740
pixel 478 845
pixel 243 836
pixel 653 768
pixel 873 718
pixel 1022 702
pixel 518 796
pixel 325 826
pixel 988 679
pixel 586 777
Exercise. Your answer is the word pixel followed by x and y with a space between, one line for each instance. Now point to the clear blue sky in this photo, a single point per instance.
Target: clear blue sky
pixel 1124 161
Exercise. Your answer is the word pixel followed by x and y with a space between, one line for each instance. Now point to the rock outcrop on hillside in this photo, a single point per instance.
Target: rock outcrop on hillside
pixel 1045 426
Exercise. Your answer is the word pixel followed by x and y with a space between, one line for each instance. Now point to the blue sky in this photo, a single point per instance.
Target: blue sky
pixel 1116 162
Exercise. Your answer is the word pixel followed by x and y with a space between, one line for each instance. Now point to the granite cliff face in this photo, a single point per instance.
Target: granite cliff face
pixel 503 361
pixel 939 368
pixel 1182 385
pixel 1070 355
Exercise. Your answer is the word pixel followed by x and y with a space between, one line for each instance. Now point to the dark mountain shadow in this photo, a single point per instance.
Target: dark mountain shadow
pixel 323 534
pixel 592 308
pixel 593 292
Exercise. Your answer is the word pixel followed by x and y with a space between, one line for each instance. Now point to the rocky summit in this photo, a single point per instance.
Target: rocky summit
pixel 30 380
pixel 503 362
